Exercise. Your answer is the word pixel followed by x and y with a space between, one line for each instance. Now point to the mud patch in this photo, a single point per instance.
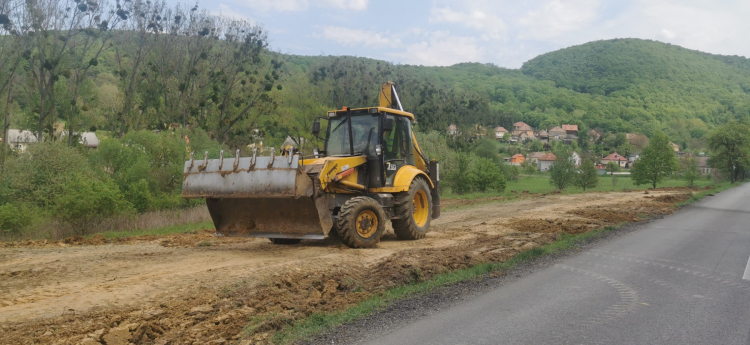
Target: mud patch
pixel 569 226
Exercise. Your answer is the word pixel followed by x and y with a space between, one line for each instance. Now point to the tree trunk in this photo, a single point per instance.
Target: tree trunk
pixel 6 126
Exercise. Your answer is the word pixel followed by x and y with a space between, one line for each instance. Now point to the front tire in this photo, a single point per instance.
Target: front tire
pixel 361 222
pixel 414 211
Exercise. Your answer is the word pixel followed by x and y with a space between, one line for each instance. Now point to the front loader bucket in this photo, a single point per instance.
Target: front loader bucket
pixel 259 197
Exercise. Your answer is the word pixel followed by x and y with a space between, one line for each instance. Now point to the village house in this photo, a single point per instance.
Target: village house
pixel 517 159
pixel 500 133
pixel 571 133
pixel 557 133
pixel 675 147
pixel 703 166
pixel 452 130
pixel 522 131
pixel 479 131
pixel 633 157
pixel 570 129
pixel 576 158
pixel 19 140
pixel 546 161
pixel 89 140
pixel 534 157
pixel 594 135
pixel 543 135
pixel 615 157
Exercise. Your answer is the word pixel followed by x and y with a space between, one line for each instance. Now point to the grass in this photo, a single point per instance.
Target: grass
pixel 702 194
pixel 174 229
pixel 539 184
pixel 319 322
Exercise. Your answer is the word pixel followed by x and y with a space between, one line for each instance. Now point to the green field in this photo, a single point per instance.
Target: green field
pixel 540 184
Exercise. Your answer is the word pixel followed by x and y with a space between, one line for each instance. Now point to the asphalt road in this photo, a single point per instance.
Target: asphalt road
pixel 679 280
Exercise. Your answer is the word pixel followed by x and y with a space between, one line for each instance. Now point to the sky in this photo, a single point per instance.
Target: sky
pixel 505 33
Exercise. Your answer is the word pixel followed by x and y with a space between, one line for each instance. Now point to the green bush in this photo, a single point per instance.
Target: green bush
pixel 140 196
pixel 486 175
pixel 84 201
pixel 39 175
pixel 14 218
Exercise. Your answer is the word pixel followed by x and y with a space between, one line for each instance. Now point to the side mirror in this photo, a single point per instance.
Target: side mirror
pixel 316 127
pixel 388 124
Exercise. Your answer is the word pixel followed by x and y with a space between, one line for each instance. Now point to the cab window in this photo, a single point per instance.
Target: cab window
pixel 398 149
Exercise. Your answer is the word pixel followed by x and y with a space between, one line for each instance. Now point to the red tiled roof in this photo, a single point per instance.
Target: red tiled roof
pixel 556 129
pixel 519 123
pixel 570 128
pixel 615 157
pixel 525 127
pixel 500 129
pixel 548 157
pixel 535 155
pixel 517 155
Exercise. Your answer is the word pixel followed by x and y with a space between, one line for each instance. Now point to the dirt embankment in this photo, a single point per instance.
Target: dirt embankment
pixel 197 289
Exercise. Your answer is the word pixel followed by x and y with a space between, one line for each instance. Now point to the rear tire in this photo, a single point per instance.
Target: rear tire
pixel 361 222
pixel 285 240
pixel 414 211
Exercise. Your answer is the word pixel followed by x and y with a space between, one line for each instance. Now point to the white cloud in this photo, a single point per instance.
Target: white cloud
pixel 224 10
pixel 667 34
pixel 440 48
pixel 277 5
pixel 702 26
pixel 301 5
pixel 556 18
pixel 490 25
pixel 354 5
pixel 355 37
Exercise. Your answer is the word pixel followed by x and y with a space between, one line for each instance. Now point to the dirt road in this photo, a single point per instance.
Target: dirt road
pixel 196 288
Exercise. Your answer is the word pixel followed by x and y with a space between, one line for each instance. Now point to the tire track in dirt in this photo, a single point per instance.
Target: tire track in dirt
pixel 166 288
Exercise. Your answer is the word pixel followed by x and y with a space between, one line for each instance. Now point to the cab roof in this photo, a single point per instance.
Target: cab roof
pixel 376 110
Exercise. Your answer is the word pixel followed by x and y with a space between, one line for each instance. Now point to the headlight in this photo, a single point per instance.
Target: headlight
pixel 331 115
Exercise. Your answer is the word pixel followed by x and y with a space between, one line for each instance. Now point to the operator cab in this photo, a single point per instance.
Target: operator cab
pixel 381 134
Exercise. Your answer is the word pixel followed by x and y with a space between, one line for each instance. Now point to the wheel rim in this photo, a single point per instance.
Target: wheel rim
pixel 420 208
pixel 367 223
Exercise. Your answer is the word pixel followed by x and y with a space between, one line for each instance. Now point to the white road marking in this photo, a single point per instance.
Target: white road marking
pixel 746 276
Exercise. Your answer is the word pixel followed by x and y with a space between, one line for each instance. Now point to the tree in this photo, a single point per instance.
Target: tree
pixel 529 166
pixel 10 55
pixel 730 144
pixel 86 49
pixel 460 179
pixel 55 24
pixel 657 161
pixel 487 175
pixel 144 23
pixel 689 169
pixel 588 177
pixel 563 170
pixel 506 137
pixel 612 168
pixel 487 149
pixel 514 172
pixel 536 146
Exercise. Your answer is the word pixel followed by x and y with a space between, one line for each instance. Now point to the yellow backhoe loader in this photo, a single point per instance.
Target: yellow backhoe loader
pixel 370 171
